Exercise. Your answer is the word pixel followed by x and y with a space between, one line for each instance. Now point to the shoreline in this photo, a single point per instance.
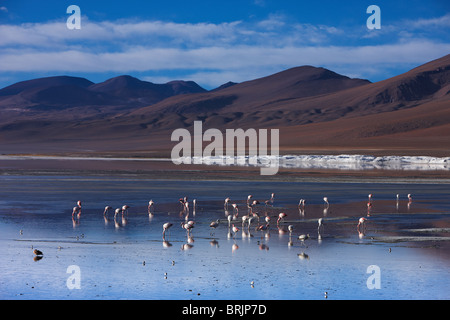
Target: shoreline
pixel 165 170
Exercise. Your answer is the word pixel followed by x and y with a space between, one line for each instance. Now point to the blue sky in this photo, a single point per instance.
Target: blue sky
pixel 212 42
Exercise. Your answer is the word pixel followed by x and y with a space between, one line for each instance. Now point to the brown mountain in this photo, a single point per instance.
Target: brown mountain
pixel 55 97
pixel 133 90
pixel 316 110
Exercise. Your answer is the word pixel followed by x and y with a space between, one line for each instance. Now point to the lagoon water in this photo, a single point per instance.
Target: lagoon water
pixel 128 258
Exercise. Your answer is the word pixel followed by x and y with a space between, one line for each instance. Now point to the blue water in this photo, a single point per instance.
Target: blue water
pixel 215 264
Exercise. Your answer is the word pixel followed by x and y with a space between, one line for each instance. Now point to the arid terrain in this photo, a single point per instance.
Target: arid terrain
pixel 317 111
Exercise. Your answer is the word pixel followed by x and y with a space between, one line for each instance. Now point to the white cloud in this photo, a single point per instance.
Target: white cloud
pixel 212 54
pixel 236 63
pixel 440 22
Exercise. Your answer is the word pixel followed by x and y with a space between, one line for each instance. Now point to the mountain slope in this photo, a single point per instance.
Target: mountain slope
pixel 314 108
pixel 42 83
pixel 144 92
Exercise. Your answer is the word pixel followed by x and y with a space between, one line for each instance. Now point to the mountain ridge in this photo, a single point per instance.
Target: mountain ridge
pixel 314 108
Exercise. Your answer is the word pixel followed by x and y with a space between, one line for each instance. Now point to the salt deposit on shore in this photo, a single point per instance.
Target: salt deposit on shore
pixel 340 162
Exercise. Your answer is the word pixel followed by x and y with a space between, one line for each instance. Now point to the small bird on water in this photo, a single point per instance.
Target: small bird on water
pixel 38 252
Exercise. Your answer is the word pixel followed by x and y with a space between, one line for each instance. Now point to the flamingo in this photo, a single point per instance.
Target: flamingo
pixel 77 209
pixel 229 218
pixel 235 229
pixel 214 224
pixel 227 201
pixel 250 206
pixel 409 197
pixel 290 229
pixel 250 220
pixel 235 207
pixel 166 226
pixel 270 201
pixel 107 208
pixel 281 216
pixel 184 203
pixel 116 212
pixel 325 199
pixel 361 222
pixel 301 203
pixel 150 205
pixel 125 209
pixel 262 227
pixel 320 224
pixel 369 204
pixel 267 219
pixel 249 198
pixel 187 226
pixel 256 216
pixel 303 237
pixel 244 219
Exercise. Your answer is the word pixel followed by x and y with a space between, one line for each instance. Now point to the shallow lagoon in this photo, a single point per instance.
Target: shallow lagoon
pixel 410 244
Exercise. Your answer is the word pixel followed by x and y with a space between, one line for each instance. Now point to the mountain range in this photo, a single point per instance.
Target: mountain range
pixel 316 110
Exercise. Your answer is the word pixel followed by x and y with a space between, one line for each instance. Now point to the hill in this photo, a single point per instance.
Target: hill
pixel 316 110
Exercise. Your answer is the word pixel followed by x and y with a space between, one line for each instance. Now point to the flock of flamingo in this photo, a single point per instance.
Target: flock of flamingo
pixel 246 219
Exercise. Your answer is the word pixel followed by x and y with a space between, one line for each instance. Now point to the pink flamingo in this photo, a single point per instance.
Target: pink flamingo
pixel 270 201
pixel 281 216
pixel 245 219
pixel 361 223
pixel 263 227
pixel 227 201
pixel 320 224
pixel 77 209
pixel 166 226
pixel 150 205
pixel 214 224
pixel 369 204
pixel 187 226
pixel 303 237
pixel 301 203
pixel 184 203
pixel 107 208
pixel 125 209
pixel 250 206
